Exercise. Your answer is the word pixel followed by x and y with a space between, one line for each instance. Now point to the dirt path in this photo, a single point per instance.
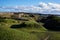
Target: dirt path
pixel 47 37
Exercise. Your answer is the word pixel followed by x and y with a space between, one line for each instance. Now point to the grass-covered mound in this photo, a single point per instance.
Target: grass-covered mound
pixel 30 25
pixel 25 30
pixel 12 34
pixel 7 33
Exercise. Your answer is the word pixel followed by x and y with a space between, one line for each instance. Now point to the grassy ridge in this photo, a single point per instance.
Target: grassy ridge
pixel 7 33
pixel 32 31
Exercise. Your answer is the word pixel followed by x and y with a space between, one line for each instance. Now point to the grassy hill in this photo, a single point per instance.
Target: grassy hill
pixel 32 29
pixel 23 33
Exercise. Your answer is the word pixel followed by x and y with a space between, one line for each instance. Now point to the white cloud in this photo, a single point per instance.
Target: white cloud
pixel 54 5
pixel 44 5
pixel 50 7
pixel 40 8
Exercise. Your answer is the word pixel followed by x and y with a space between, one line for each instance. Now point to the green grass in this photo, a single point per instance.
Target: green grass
pixel 54 35
pixel 30 26
pixel 27 33
pixel 7 33
pixel 12 34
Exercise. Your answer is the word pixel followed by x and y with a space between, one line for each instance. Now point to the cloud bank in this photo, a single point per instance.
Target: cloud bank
pixel 51 8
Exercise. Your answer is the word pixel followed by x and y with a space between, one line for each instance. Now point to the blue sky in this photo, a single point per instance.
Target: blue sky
pixel 24 2
pixel 37 6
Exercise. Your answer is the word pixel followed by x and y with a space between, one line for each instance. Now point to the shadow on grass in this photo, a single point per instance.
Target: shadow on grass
pixel 19 25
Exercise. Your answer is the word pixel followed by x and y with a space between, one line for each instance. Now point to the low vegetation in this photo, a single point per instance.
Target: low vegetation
pixel 33 29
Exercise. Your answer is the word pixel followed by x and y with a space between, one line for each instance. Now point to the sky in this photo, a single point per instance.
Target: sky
pixel 35 6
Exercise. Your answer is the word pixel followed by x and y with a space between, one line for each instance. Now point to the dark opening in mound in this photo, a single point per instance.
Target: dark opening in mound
pixel 22 25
